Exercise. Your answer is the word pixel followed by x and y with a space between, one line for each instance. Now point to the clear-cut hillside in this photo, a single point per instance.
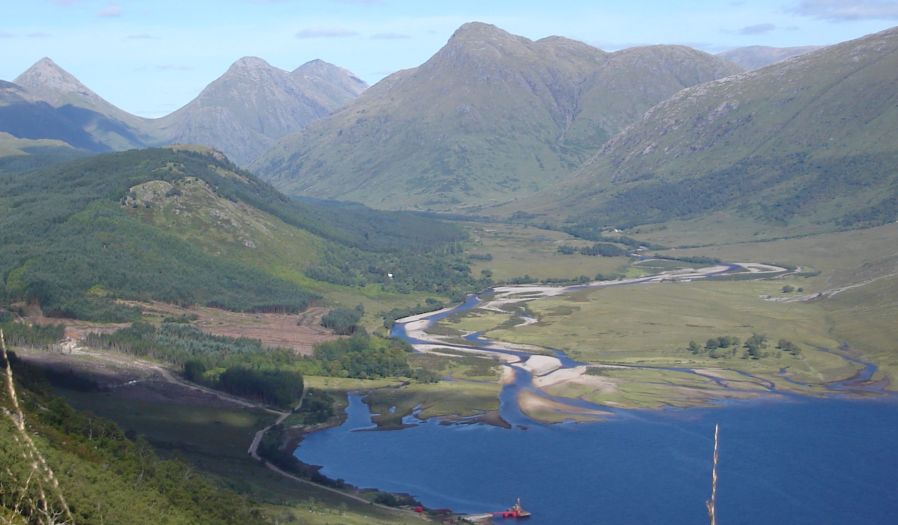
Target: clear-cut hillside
pixel 244 112
pixel 489 118
pixel 811 141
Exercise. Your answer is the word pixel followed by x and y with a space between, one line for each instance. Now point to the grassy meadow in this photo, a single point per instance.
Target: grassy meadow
pixel 652 325
pixel 518 250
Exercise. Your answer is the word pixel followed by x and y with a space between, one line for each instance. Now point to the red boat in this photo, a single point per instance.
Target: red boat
pixel 516 511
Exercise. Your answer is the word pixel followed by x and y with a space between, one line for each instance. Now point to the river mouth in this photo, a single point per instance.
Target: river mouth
pixel 785 457
pixel 813 460
pixel 528 369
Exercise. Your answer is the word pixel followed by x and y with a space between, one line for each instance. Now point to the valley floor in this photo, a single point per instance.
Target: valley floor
pixel 656 345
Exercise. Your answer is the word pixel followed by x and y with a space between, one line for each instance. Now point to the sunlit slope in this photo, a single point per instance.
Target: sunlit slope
pixel 186 226
pixel 809 141
pixel 490 117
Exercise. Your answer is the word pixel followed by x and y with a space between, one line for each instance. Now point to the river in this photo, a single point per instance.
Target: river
pixel 789 460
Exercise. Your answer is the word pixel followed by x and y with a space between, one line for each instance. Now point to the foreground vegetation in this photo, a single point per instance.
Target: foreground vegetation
pixel 104 475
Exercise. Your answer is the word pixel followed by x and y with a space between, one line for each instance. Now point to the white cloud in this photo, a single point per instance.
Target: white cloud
pixel 174 67
pixel 325 32
pixel 846 10
pixel 142 36
pixel 757 29
pixel 110 11
pixel 390 36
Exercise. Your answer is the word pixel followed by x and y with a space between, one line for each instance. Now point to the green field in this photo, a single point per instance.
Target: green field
pixel 519 250
pixel 862 262
pixel 446 399
pixel 471 389
pixel 652 325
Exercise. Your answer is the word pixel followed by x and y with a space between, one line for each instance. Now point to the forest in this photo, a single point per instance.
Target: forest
pixel 771 180
pixel 70 246
pixel 246 368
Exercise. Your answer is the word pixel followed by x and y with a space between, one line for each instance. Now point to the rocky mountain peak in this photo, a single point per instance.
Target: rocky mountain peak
pixel 481 32
pixel 321 71
pixel 251 63
pixel 46 77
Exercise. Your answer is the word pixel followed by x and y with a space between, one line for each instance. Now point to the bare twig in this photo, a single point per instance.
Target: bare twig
pixel 40 474
pixel 711 504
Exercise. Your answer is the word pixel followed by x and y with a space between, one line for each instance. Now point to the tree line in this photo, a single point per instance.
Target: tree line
pixel 755 347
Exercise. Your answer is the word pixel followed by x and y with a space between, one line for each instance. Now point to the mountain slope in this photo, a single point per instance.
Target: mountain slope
pixel 811 140
pixel 26 116
pixel 186 226
pixel 90 469
pixel 115 128
pixel 330 86
pixel 243 112
pixel 756 57
pixel 489 117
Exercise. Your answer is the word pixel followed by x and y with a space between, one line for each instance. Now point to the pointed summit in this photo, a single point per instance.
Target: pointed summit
pixel 317 67
pixel 253 103
pixel 489 118
pixel 59 88
pixel 250 70
pixel 329 81
pixel 481 31
pixel 251 63
pixel 46 79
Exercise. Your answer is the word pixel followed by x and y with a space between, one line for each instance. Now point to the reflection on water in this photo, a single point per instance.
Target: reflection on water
pixel 805 461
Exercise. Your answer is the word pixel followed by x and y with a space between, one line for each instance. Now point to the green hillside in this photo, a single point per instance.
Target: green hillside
pixel 489 118
pixel 101 474
pixel 807 144
pixel 18 155
pixel 186 226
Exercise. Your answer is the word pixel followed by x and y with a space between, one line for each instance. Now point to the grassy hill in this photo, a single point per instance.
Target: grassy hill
pixel 807 144
pixel 18 155
pixel 489 118
pixel 101 475
pixel 184 225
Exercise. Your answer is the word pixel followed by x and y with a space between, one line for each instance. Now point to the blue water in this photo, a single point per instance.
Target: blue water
pixel 813 461
pixel 784 460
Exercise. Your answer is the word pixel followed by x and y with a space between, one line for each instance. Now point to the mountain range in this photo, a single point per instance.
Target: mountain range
pixel 756 57
pixel 498 123
pixel 241 113
pixel 810 141
pixel 490 117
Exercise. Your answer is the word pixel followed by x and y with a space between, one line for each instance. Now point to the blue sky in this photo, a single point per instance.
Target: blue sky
pixel 152 56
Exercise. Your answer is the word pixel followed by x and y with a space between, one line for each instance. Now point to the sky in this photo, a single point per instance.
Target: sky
pixel 151 57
